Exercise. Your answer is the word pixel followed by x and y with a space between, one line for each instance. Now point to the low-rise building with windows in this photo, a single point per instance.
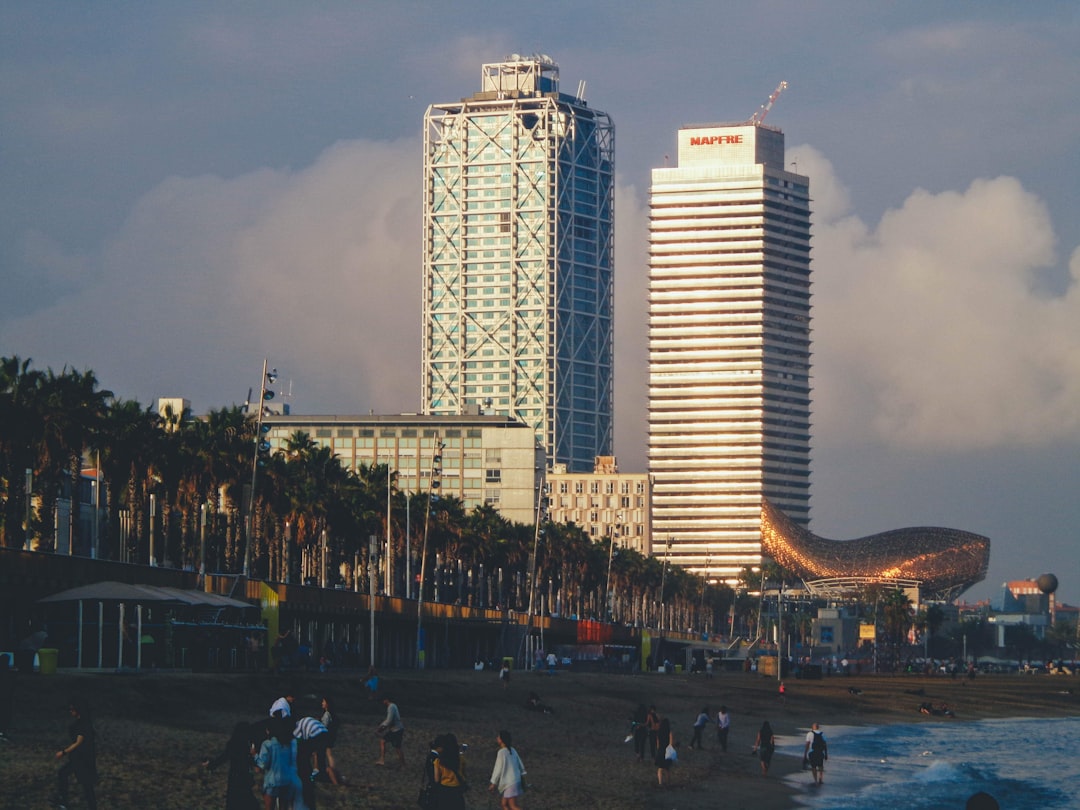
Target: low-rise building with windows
pixel 605 502
pixel 486 459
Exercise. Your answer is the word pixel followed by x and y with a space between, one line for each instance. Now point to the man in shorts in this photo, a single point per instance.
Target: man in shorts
pixel 815 752
pixel 390 730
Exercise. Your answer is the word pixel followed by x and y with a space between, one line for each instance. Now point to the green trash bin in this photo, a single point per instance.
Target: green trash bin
pixel 47 661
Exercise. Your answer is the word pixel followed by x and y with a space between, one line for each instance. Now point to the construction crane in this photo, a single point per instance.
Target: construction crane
pixel 759 116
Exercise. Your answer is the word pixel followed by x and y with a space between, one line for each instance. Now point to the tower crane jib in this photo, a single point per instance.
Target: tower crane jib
pixel 759 116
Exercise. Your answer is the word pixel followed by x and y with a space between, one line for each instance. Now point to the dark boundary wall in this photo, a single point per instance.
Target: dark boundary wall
pixel 330 623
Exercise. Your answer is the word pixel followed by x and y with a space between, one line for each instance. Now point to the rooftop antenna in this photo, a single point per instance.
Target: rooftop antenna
pixel 759 116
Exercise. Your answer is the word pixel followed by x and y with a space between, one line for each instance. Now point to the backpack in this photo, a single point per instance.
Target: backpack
pixel 818 744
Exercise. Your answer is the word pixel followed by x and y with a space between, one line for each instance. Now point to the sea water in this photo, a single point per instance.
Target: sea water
pixel 1023 763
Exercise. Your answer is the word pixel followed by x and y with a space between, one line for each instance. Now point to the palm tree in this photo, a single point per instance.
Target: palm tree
pixel 20 434
pixel 73 410
pixel 125 440
pixel 896 613
pixel 221 444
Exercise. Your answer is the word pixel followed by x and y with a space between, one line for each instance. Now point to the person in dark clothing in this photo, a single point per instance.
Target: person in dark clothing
pixel 652 725
pixel 640 731
pixel 700 722
pixel 7 693
pixel 764 746
pixel 239 753
pixel 664 739
pixel 448 773
pixel 81 753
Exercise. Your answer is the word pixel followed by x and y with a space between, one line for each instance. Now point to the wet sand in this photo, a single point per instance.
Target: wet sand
pixel 155 728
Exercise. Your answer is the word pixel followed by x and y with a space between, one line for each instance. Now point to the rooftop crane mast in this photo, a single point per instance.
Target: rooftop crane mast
pixel 759 116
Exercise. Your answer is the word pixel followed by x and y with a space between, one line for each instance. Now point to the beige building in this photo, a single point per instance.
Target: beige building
pixel 604 502
pixel 486 459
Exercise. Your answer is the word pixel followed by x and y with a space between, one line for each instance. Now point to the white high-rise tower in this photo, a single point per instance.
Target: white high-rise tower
pixel 518 290
pixel 729 346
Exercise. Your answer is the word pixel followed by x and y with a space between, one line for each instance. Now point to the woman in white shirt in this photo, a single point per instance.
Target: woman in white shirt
pixel 506 777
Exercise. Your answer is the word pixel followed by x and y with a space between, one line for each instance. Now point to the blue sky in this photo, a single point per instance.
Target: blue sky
pixel 188 188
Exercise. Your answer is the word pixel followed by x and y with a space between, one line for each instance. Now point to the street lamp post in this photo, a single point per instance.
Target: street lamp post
pixel 286 552
pixel 663 579
pixel 372 545
pixel 704 585
pixel 202 543
pixel 610 557
pixel 153 514
pixel 408 550
pixel 322 560
pixel 541 519
pixel 779 626
pixel 434 483
pixel 94 550
pixel 262 447
pixel 29 504
pixel 389 563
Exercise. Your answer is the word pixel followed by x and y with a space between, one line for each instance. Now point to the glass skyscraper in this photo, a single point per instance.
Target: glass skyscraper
pixel 729 346
pixel 517 266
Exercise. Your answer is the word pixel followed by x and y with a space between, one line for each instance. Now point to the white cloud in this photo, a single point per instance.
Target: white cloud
pixel 928 328
pixel 319 268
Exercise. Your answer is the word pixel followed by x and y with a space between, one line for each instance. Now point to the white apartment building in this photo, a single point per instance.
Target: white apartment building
pixel 729 345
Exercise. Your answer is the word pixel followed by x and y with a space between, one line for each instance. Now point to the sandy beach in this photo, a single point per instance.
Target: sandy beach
pixel 155 728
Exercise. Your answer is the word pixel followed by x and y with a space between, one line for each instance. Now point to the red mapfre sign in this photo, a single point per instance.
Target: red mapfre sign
pixel 709 140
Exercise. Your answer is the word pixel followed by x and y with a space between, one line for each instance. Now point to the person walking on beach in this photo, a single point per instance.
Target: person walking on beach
pixel 371 683
pixel 390 730
pixel 238 753
pixel 504 675
pixel 507 776
pixel 723 726
pixel 640 730
pixel 665 752
pixel 652 723
pixel 448 773
pixel 81 753
pixel 312 739
pixel 764 746
pixel 816 751
pixel 699 726
pixel 331 724
pixel 277 760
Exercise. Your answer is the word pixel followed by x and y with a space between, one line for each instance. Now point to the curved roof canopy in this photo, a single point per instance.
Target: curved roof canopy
pixel 945 562
pixel 125 592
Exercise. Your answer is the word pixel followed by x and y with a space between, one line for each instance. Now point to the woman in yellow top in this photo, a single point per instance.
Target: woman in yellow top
pixel 449 774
